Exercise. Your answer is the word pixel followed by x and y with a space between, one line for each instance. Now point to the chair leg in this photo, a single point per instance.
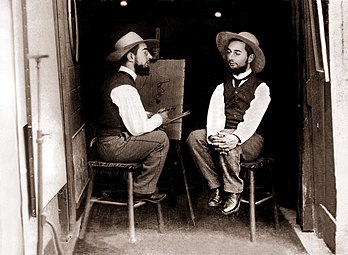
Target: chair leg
pixel 131 207
pixel 178 149
pixel 160 220
pixel 252 206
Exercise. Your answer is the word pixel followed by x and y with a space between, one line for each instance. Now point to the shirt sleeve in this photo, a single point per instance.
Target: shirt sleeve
pixel 216 112
pixel 132 111
pixel 255 113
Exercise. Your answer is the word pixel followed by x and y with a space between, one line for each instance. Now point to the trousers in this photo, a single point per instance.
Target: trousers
pixel 222 170
pixel 150 149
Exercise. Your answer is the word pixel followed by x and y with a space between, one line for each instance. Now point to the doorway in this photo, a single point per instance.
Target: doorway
pixel 187 31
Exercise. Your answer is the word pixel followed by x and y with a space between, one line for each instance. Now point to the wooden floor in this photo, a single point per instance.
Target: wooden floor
pixel 107 231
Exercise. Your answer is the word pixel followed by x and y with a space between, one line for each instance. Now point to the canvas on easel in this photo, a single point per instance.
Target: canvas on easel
pixel 164 88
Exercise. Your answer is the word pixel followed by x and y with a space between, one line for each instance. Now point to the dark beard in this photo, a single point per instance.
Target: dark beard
pixel 236 71
pixel 141 70
pixel 231 72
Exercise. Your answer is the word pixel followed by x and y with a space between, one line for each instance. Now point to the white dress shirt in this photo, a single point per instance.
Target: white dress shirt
pixel 131 108
pixel 216 118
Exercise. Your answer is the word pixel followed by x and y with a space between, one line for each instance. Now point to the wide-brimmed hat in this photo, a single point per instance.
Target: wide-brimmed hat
pixel 126 43
pixel 223 39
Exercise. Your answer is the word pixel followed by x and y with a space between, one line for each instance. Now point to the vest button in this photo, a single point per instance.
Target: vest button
pixel 236 92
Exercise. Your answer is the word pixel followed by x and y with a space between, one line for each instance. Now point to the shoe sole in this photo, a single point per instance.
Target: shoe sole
pixel 232 211
pixel 151 200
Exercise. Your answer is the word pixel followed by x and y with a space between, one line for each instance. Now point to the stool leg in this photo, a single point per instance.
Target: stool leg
pixel 275 206
pixel 89 205
pixel 160 220
pixel 252 205
pixel 85 218
pixel 131 207
pixel 276 217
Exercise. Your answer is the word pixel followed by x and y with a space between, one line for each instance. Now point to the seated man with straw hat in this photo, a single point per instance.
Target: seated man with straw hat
pixel 126 133
pixel 235 112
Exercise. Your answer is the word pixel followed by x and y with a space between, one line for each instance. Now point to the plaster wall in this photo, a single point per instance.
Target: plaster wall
pixel 338 37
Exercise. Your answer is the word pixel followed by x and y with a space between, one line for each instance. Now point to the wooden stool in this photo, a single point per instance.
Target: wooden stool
pixel 129 169
pixel 249 169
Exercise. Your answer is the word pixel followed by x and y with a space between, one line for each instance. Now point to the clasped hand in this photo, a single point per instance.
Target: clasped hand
pixel 224 142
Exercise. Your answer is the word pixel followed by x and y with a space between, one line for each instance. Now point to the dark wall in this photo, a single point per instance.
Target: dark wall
pixel 188 31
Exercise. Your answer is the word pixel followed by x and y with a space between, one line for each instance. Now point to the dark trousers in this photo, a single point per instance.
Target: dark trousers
pixel 222 170
pixel 151 149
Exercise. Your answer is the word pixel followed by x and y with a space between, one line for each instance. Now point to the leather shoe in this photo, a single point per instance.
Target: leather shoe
pixel 215 198
pixel 152 198
pixel 232 203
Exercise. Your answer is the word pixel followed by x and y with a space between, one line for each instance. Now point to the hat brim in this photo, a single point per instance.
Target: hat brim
pixel 223 38
pixel 118 54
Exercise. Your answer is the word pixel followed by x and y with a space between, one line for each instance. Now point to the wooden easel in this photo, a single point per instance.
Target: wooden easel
pixel 164 88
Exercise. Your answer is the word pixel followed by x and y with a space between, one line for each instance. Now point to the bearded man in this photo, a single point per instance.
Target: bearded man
pixel 126 132
pixel 233 131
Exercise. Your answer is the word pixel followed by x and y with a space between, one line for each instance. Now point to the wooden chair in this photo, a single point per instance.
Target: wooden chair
pixel 97 166
pixel 255 195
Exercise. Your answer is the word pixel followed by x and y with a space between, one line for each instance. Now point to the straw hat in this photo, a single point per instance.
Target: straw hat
pixel 223 38
pixel 126 43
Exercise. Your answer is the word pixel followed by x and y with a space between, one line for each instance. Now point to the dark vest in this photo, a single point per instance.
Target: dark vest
pixel 110 122
pixel 237 100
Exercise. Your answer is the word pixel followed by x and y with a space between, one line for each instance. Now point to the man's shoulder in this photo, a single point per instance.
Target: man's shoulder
pixel 256 78
pixel 118 79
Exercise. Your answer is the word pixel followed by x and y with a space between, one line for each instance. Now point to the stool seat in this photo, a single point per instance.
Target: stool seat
pixel 129 169
pixel 256 164
pixel 260 165
pixel 119 166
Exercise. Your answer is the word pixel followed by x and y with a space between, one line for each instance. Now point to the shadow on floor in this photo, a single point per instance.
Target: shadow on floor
pixel 107 231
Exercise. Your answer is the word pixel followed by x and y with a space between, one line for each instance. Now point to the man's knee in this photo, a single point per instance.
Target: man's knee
pixel 162 138
pixel 196 136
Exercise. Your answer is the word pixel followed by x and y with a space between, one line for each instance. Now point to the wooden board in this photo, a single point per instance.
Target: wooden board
pixel 164 88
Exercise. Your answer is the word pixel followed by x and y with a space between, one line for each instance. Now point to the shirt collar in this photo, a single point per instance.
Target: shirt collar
pixel 241 76
pixel 129 71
